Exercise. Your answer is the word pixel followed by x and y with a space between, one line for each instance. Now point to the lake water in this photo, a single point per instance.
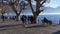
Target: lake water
pixel 54 18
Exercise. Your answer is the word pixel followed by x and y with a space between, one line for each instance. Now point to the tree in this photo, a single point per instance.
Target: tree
pixel 16 3
pixel 39 4
pixel 3 9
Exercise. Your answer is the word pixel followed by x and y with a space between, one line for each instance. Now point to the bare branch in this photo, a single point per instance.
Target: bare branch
pixel 29 1
pixel 37 5
pixel 42 3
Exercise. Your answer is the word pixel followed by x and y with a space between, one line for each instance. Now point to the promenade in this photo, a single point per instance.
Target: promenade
pixel 14 27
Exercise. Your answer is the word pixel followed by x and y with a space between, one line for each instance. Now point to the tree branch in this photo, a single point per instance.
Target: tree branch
pixel 37 5
pixel 40 11
pixel 20 10
pixel 42 3
pixel 29 1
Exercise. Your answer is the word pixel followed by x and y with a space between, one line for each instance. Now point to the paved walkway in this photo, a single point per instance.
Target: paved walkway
pixel 9 22
pixel 19 29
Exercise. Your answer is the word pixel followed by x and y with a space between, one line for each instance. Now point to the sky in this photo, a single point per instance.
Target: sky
pixel 53 3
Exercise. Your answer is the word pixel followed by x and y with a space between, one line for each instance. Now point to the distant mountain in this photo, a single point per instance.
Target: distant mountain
pixel 51 11
pixel 47 10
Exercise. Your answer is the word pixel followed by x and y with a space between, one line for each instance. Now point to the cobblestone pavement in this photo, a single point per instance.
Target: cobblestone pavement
pixel 19 29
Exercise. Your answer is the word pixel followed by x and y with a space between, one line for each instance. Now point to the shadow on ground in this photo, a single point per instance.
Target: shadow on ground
pixel 38 26
pixel 57 32
pixel 2 26
pixel 8 27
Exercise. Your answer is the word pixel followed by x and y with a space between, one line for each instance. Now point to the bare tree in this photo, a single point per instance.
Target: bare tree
pixel 15 4
pixel 3 9
pixel 39 4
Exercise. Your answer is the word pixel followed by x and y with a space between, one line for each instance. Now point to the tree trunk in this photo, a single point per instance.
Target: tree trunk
pixel 35 20
pixel 35 17
pixel 17 17
pixel 3 17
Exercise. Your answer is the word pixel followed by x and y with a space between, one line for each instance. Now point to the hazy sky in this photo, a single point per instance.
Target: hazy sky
pixel 53 3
